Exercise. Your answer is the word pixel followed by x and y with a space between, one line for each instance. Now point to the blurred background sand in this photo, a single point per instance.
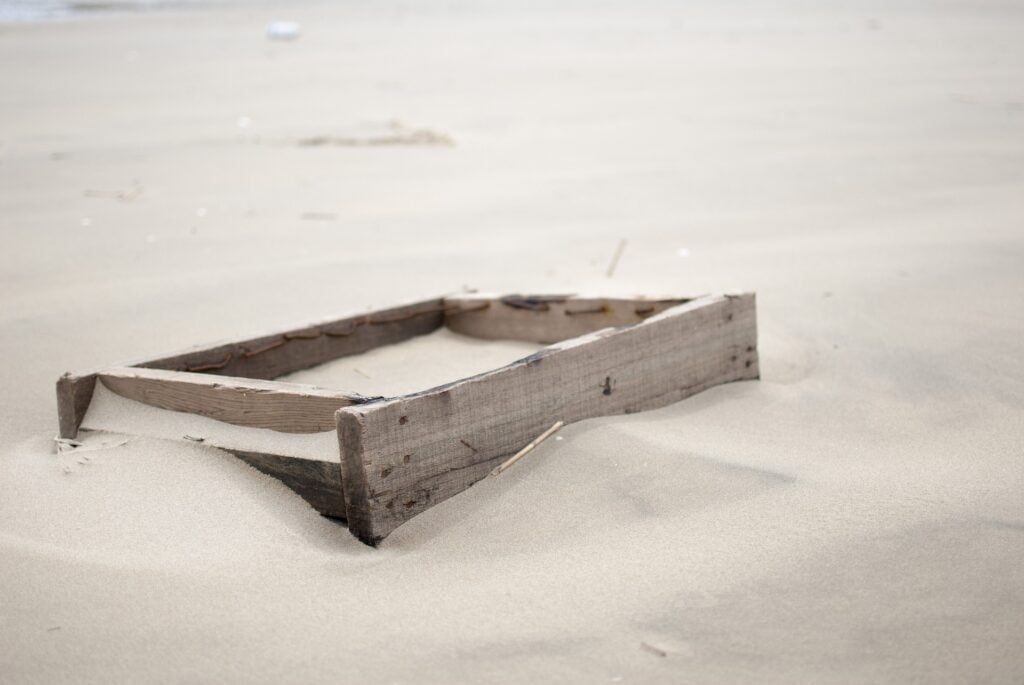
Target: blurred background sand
pixel 169 176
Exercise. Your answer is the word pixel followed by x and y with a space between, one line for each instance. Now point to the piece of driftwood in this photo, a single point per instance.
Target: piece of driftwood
pixel 401 455
pixel 74 393
pixel 285 407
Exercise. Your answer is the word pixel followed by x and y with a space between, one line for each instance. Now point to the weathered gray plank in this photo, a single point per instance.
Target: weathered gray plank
pixel 277 354
pixel 284 407
pixel 404 455
pixel 317 482
pixel 74 392
pixel 545 318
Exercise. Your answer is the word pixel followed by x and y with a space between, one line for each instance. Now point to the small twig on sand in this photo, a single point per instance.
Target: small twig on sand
pixel 526 450
pixel 616 257
pixel 120 195
pixel 319 216
pixel 653 650
pixel 361 373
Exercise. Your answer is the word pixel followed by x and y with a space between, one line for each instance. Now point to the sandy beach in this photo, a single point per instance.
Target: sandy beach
pixel 171 177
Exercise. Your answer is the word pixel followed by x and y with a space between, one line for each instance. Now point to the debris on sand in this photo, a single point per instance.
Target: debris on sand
pixel 119 195
pixel 394 133
pixel 283 30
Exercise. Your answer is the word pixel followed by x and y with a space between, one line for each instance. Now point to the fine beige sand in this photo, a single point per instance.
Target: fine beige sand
pixel 171 177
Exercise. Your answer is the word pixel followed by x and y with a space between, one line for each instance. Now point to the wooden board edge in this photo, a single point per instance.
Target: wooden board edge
pixel 282 407
pixel 353 477
pixel 754 352
pixel 74 393
pixel 317 482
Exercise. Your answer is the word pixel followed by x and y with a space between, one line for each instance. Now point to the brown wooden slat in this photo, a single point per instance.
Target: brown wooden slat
pixel 74 393
pixel 277 354
pixel 546 318
pixel 285 407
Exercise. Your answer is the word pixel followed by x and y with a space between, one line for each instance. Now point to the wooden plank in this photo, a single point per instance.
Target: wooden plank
pixel 404 455
pixel 317 482
pixel 546 318
pixel 277 354
pixel 74 392
pixel 284 407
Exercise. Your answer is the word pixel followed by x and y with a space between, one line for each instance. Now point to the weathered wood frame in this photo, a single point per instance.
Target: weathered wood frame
pixel 402 455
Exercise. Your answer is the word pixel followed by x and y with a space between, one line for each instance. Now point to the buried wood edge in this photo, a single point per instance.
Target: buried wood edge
pixel 74 394
pixel 317 482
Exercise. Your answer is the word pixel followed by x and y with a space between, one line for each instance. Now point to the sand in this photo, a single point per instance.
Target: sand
pixel 855 516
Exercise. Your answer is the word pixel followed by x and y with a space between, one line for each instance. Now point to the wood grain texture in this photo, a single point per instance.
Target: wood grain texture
pixel 277 354
pixel 74 393
pixel 401 456
pixel 284 407
pixel 268 356
pixel 317 482
pixel 546 318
